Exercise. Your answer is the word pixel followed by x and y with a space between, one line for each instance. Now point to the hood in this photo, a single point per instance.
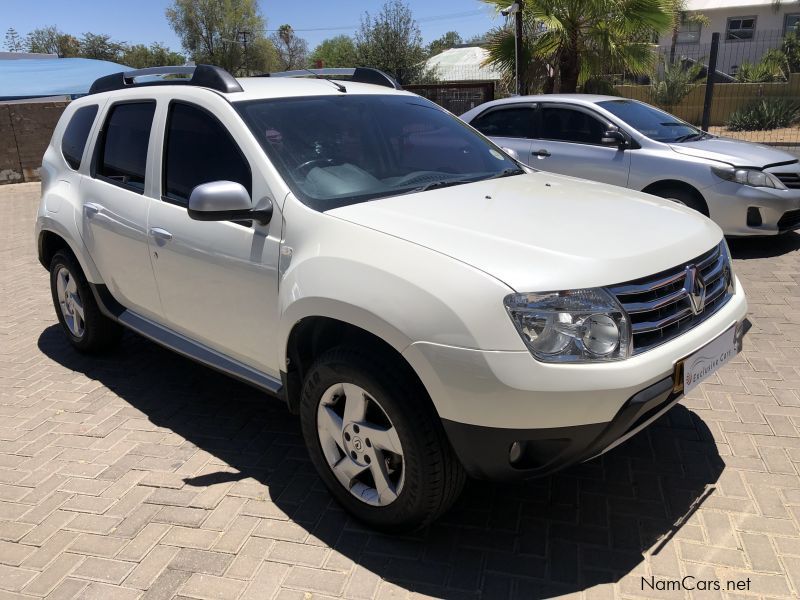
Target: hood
pixel 544 232
pixel 734 152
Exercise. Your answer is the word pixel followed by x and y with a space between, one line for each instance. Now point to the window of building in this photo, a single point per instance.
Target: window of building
pixel 689 33
pixel 790 23
pixel 740 28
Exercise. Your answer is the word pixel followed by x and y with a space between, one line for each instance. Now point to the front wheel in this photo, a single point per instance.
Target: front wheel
pixel 376 441
pixel 685 197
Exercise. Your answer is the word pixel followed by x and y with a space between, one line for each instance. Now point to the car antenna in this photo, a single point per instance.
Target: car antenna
pixel 338 85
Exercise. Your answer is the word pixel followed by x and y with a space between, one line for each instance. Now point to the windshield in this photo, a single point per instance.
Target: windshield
pixel 339 150
pixel 655 124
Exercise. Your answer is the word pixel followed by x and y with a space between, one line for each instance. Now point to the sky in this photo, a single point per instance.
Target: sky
pixel 143 21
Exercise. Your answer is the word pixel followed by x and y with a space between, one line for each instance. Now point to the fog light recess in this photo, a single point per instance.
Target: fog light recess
pixel 754 217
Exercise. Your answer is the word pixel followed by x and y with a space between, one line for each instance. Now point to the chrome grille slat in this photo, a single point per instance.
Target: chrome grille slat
pixel 660 309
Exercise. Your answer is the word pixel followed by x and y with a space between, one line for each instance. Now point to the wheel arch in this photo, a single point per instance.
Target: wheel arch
pixel 54 237
pixel 677 184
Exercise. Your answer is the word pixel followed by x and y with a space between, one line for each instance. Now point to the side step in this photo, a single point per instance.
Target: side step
pixel 183 345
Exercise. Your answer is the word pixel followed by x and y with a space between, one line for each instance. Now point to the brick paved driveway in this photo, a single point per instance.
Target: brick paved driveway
pixel 145 475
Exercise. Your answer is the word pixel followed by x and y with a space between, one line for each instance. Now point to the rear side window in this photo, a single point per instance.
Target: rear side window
pixel 506 122
pixel 199 149
pixel 75 135
pixel 122 156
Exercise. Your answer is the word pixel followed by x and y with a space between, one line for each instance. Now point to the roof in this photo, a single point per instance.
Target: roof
pixel 702 5
pixel 36 77
pixel 575 98
pixel 256 88
pixel 463 64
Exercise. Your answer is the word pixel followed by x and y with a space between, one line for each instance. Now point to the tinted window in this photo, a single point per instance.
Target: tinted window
pixel 123 155
pixel 567 125
pixel 199 149
pixel 506 122
pixel 75 135
pixel 338 150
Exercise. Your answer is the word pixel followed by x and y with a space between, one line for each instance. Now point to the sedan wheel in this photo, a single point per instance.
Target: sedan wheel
pixel 70 302
pixel 360 444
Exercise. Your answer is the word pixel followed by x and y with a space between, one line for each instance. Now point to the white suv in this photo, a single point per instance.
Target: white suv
pixel 428 307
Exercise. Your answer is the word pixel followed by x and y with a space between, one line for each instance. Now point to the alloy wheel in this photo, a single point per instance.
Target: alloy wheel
pixel 69 300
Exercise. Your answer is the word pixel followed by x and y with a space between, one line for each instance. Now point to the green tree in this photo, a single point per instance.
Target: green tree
pixel 339 51
pixel 211 31
pixel 100 46
pixel 292 50
pixel 391 41
pixel 50 40
pixel 574 40
pixel 451 39
pixel 140 56
pixel 14 42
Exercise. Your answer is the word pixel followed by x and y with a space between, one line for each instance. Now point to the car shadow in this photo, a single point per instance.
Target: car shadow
pixel 746 248
pixel 564 533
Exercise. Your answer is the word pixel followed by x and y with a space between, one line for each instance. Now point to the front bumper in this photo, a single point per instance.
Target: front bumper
pixel 565 413
pixel 741 210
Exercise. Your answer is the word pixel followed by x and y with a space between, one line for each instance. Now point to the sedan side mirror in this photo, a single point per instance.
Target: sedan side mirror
pixel 511 152
pixel 225 201
pixel 614 137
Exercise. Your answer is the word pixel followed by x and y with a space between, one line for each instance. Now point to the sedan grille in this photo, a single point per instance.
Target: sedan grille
pixel 790 180
pixel 665 305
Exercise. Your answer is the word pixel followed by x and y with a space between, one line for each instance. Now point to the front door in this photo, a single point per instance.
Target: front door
pixel 569 142
pixel 218 281
pixel 115 205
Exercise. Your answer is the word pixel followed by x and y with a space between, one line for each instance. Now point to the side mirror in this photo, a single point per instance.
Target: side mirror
pixel 225 201
pixel 614 137
pixel 511 152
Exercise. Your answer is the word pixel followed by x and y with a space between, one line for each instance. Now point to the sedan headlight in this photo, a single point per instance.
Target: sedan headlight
pixel 571 326
pixel 751 177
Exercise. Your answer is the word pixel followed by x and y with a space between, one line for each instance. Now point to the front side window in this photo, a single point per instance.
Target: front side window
pixel 199 149
pixel 73 142
pixel 740 28
pixel 649 121
pixel 791 23
pixel 569 125
pixel 516 122
pixel 689 33
pixel 122 157
pixel 339 150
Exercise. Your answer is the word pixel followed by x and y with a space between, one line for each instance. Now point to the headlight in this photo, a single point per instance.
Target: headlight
pixel 572 326
pixel 751 177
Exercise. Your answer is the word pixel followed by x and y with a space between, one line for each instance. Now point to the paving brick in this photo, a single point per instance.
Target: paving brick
pixel 201 561
pixel 103 569
pixel 151 567
pixel 209 587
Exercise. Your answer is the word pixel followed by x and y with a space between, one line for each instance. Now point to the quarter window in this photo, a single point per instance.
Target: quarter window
pixel 75 135
pixel 199 149
pixel 740 28
pixel 506 122
pixel 568 125
pixel 123 151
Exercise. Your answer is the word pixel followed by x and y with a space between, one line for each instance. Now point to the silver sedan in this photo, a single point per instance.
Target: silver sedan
pixel 748 189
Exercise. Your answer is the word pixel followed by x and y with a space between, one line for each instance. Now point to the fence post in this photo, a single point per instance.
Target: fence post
pixel 710 76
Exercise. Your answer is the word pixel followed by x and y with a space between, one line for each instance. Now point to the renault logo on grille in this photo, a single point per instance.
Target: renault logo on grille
pixel 695 288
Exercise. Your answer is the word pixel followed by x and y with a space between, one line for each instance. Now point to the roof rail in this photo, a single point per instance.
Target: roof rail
pixel 357 74
pixel 207 76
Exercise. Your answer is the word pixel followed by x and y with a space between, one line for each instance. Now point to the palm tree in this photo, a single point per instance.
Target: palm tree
pixel 578 39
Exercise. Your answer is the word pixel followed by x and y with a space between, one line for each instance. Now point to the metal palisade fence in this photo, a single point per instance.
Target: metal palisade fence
pixel 741 88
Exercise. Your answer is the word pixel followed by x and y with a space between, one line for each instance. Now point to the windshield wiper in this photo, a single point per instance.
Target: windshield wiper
pixel 505 173
pixel 697 135
pixel 440 184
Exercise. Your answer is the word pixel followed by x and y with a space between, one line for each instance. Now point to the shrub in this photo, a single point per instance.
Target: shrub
pixel 772 67
pixel 673 82
pixel 763 114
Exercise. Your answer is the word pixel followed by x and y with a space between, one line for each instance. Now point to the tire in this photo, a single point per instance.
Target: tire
pixel 683 196
pixel 426 476
pixel 92 332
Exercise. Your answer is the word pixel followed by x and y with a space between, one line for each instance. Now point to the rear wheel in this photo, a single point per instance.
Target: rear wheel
pixel 87 329
pixel 376 441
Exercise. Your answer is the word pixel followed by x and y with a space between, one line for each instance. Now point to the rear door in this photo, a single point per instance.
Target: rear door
pixel 509 126
pixel 115 205
pixel 569 142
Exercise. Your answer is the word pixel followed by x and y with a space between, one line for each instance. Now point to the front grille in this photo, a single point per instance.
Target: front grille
pixel 789 221
pixel 790 180
pixel 660 308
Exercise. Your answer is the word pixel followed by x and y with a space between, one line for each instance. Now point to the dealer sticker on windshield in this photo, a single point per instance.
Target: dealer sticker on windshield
pixel 707 360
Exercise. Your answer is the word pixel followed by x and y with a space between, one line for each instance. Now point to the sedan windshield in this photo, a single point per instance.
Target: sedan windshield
pixel 339 150
pixel 655 124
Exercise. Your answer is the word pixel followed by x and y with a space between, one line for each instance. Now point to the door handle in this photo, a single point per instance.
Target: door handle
pixel 541 153
pixel 90 209
pixel 160 234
